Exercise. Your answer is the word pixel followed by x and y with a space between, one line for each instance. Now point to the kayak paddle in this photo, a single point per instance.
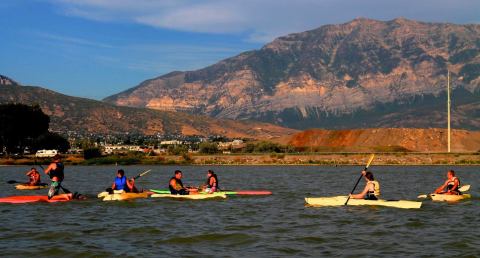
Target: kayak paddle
pixel 464 188
pixel 142 174
pixel 16 182
pixel 361 175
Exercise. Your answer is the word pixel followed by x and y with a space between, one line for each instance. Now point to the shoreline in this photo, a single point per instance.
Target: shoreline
pixel 273 159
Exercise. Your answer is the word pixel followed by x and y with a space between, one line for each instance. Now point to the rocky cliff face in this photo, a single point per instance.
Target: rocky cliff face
pixel 387 139
pixel 84 115
pixel 334 77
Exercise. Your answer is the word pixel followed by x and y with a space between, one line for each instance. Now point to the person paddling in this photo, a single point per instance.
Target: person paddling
pixel 176 185
pixel 371 190
pixel 34 177
pixel 211 185
pixel 122 183
pixel 56 172
pixel 451 185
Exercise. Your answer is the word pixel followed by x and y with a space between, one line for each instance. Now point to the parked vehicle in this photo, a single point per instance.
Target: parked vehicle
pixel 46 153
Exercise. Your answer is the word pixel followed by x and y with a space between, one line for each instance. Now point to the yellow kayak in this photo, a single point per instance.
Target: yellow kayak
pixel 125 196
pixel 191 196
pixel 449 197
pixel 103 194
pixel 30 187
pixel 340 201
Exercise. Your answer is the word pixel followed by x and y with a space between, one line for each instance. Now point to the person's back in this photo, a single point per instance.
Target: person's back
pixel 56 172
pixel 212 182
pixel 373 192
pixel 121 183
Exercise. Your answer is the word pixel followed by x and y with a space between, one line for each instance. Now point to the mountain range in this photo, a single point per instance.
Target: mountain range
pixel 75 114
pixel 361 74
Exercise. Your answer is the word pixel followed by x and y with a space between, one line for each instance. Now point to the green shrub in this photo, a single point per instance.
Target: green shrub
pixel 92 153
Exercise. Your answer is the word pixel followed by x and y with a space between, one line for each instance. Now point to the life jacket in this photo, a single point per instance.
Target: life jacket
pixel 376 188
pixel 121 183
pixel 58 172
pixel 178 183
pixel 451 183
pixel 216 181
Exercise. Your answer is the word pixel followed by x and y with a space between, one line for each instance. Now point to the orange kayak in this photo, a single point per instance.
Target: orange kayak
pixel 36 198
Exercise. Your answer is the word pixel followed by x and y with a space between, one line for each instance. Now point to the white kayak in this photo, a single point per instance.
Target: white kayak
pixel 449 197
pixel 340 201
pixel 199 196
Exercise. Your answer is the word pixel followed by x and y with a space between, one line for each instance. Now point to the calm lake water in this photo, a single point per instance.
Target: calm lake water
pixel 268 226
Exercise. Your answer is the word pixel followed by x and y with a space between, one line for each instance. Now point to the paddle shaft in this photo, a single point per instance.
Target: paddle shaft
pixel 358 181
pixel 142 174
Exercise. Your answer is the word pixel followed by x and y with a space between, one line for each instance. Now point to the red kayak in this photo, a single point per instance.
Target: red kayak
pixel 36 198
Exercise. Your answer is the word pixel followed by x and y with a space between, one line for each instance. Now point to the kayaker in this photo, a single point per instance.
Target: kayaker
pixel 371 190
pixel 176 186
pixel 122 183
pixel 451 185
pixel 211 185
pixel 56 172
pixel 34 177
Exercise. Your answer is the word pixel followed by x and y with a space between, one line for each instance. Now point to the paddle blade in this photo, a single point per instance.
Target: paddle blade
pixel 464 188
pixel 422 196
pixel 12 182
pixel 370 161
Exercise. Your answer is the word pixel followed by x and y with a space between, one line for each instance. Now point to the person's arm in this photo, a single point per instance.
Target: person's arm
pixel 114 186
pixel 28 173
pixel 360 195
pixel 52 166
pixel 440 189
pixel 173 184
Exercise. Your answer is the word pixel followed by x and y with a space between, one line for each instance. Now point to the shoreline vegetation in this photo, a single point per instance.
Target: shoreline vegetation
pixel 326 158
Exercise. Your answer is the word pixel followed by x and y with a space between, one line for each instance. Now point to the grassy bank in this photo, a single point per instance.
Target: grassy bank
pixel 332 158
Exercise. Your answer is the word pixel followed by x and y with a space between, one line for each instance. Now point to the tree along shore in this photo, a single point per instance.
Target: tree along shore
pixel 409 158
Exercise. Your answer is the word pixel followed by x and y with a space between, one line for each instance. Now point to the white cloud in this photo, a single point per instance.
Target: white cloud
pixel 263 20
pixel 72 40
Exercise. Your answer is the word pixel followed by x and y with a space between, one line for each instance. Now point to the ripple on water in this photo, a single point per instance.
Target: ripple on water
pixel 235 239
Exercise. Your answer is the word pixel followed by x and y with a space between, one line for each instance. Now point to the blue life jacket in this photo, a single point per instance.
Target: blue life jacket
pixel 121 183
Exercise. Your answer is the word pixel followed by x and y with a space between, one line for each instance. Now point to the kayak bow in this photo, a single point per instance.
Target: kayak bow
pixel 36 198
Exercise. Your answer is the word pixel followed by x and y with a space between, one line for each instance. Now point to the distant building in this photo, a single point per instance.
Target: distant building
pixel 110 149
pixel 46 153
pixel 235 144
pixel 171 142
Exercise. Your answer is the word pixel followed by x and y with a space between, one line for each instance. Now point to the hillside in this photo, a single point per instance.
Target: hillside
pixel 361 74
pixel 84 115
pixel 388 139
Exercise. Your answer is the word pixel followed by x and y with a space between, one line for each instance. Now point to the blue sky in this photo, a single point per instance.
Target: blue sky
pixel 95 48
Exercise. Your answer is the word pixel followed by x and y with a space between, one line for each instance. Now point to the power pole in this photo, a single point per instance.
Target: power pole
pixel 448 110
